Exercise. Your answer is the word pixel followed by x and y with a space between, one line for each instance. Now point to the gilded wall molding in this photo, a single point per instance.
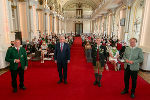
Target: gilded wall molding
pixel 39 9
pixel 21 0
pixel 10 0
pixel 30 7
pixel 13 7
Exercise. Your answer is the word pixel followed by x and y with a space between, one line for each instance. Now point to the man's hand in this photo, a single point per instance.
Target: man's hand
pixel 17 60
pixel 68 61
pixel 131 62
pixel 56 61
pixel 25 68
pixel 127 61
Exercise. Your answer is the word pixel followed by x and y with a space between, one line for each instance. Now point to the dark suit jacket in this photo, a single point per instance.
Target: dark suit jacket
pixel 64 56
pixel 12 54
pixel 102 54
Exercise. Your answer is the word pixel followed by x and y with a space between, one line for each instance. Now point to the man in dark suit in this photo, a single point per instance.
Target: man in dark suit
pixel 62 58
pixel 99 57
pixel 17 57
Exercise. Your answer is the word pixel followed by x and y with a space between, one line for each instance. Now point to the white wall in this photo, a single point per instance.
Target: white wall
pixel 86 26
pixel 4 31
pixel 69 26
pixel 145 34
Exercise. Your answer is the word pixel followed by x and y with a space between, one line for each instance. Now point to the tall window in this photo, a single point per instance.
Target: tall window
pixel 79 11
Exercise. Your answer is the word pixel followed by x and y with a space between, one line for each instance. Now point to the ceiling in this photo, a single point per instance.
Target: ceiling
pixel 93 3
pixel 98 7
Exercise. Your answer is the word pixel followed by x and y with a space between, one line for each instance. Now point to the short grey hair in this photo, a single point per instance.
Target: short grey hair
pixel 61 36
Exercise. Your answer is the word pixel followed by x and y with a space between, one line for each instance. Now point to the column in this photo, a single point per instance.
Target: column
pixel 5 31
pixel 10 20
pixel 40 20
pixel 33 20
pixel 145 34
pixel 53 29
pixel 51 23
pixel 22 9
pixel 59 25
pixel 121 34
pixel 109 24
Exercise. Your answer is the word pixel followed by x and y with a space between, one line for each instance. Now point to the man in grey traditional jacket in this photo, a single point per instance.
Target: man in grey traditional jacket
pixel 132 56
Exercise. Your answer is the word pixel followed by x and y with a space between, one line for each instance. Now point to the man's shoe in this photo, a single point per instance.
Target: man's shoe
pixel 14 90
pixel 124 92
pixel 23 88
pixel 132 95
pixel 99 84
pixel 60 81
pixel 65 82
pixel 95 82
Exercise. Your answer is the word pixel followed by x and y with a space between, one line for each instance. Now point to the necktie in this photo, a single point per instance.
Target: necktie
pixel 61 47
pixel 18 50
pixel 19 64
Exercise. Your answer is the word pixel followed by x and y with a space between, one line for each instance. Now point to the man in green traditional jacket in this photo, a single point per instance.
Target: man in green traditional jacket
pixel 99 60
pixel 132 56
pixel 17 57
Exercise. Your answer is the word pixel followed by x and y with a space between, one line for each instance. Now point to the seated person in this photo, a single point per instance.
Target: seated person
pixel 44 48
pixel 28 47
pixel 122 50
pixel 12 44
pixel 113 56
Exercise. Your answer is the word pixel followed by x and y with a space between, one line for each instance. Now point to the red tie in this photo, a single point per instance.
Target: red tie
pixel 61 47
pixel 18 50
pixel 19 64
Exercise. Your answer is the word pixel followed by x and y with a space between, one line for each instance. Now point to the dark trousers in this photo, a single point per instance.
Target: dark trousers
pixel 62 66
pixel 14 73
pixel 127 74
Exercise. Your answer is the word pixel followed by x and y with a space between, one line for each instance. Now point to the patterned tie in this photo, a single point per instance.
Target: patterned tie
pixel 61 47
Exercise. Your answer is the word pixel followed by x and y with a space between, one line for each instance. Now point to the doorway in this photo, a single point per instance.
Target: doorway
pixel 78 29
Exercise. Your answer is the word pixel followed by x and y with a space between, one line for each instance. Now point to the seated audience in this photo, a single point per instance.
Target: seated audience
pixel 113 56
pixel 44 48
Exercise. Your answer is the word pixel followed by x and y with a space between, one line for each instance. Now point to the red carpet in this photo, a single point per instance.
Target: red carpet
pixel 41 82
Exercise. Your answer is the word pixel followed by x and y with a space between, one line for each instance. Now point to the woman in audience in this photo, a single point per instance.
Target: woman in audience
pixel 113 56
pixel 44 48
pixel 88 46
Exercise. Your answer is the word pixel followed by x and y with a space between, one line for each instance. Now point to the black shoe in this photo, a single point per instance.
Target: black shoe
pixel 65 82
pixel 99 84
pixel 95 82
pixel 23 88
pixel 124 92
pixel 132 95
pixel 60 81
pixel 14 90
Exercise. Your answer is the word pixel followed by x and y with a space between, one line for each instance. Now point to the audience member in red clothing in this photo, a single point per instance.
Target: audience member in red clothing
pixel 119 46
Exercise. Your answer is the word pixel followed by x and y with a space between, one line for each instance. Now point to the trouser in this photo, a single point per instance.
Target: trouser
pixel 62 66
pixel 98 68
pixel 14 73
pixel 127 74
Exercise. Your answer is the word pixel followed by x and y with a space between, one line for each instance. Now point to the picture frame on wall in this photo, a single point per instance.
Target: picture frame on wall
pixel 122 22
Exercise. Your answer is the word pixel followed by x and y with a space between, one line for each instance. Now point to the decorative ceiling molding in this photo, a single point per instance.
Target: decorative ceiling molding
pixel 110 4
pixel 93 3
pixel 73 6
